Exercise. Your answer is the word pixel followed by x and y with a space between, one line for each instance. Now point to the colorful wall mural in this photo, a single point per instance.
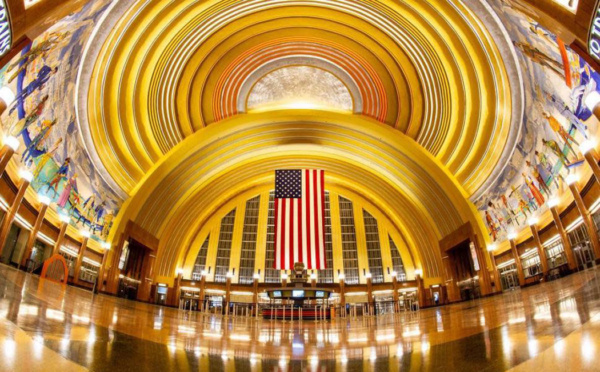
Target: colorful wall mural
pixel 42 117
pixel 556 122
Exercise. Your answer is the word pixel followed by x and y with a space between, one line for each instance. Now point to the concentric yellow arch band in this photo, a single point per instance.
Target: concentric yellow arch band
pixel 150 82
pixel 413 189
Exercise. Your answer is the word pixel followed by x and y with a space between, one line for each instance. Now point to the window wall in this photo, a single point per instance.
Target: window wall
pixel 255 244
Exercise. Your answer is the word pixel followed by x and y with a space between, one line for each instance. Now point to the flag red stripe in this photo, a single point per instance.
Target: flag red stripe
pixel 292 233
pixel 276 235
pixel 282 246
pixel 306 199
pixel 315 215
pixel 300 232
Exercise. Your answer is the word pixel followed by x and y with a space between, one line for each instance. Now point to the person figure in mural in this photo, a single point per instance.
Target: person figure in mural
pixel 38 141
pixel 500 220
pixel 540 58
pixel 537 195
pixel 98 213
pixel 555 148
pixel 565 111
pixel 560 131
pixel 38 83
pixel 86 210
pixel 540 175
pixel 507 206
pixel 107 224
pixel 491 226
pixel 43 159
pixel 60 174
pixel 39 50
pixel 31 118
pixel 65 195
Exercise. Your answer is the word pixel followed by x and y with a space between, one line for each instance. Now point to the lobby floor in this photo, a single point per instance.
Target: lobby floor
pixel 552 326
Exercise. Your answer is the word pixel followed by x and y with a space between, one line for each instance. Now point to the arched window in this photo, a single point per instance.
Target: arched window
pixel 200 263
pixel 248 250
pixel 349 248
pixel 397 261
pixel 373 248
pixel 326 276
pixel 224 248
pixel 271 275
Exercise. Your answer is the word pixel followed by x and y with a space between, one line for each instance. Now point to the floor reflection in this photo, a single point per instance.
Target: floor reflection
pixel 103 333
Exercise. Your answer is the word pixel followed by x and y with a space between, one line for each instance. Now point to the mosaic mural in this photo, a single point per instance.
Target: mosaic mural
pixel 556 122
pixel 42 116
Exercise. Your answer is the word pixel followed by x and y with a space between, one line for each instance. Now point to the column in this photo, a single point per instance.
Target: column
pixel 7 97
pixel 26 178
pixel 592 101
pixel 553 204
pixel 497 279
pixel 64 219
pixel 313 280
pixel 284 278
pixel 369 278
pixel 203 286
pixel 86 235
pixel 585 214
pixel 395 295
pixel 515 252
pixel 255 294
pixel 228 292
pixel 177 288
pixel 11 144
pixel 540 247
pixel 45 201
pixel 591 156
pixel 342 292
pixel 100 279
pixel 420 288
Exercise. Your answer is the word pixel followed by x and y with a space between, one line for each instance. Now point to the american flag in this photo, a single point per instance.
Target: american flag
pixel 299 218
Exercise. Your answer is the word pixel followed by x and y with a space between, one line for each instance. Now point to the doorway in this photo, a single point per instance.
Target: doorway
pixel 465 266
pixel 131 267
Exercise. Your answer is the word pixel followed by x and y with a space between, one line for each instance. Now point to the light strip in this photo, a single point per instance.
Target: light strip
pixel 595 206
pixel 21 221
pixel 190 289
pixel 552 240
pixel 91 262
pixel 3 204
pixel 68 250
pixel 45 238
pixel 578 221
pixel 529 252
pixel 241 293
pixel 507 263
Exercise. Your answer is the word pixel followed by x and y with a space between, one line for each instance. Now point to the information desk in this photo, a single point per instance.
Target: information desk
pixel 298 303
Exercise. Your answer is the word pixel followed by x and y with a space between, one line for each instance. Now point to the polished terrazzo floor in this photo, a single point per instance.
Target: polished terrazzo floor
pixel 552 326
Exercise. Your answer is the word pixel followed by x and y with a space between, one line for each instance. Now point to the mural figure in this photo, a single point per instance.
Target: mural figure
pixel 60 174
pixel 33 116
pixel 38 83
pixel 65 196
